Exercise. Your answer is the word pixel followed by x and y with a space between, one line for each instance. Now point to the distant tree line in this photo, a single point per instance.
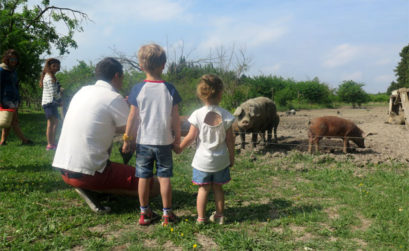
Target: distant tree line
pixel 287 93
pixel 401 72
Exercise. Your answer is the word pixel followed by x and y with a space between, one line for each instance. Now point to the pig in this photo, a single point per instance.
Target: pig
pixel 332 126
pixel 257 115
pixel 184 125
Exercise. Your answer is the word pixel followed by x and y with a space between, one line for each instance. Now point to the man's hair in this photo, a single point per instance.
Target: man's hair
pixel 9 54
pixel 106 69
pixel 209 88
pixel 151 57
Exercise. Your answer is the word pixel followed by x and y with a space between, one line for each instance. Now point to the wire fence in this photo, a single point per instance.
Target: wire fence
pixel 325 141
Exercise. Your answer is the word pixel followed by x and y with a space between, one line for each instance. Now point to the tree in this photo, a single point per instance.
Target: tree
pixel 352 92
pixel 401 71
pixel 32 32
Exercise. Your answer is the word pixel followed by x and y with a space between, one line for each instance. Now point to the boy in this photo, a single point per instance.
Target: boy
pixel 153 116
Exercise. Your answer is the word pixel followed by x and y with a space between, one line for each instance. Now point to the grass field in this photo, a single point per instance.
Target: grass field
pixel 296 202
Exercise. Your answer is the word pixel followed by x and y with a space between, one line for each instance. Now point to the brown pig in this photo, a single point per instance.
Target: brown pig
pixel 332 126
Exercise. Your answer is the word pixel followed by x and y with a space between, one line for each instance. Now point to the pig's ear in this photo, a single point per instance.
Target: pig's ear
pixel 238 111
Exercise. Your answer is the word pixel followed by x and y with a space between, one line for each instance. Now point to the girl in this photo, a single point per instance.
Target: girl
pixel 9 94
pixel 211 126
pixel 51 99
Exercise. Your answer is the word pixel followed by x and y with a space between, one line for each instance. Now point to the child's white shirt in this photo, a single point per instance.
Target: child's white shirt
pixel 212 154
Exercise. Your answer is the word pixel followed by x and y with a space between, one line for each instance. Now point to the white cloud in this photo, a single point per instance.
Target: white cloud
pixel 134 10
pixel 356 76
pixel 228 31
pixel 386 78
pixel 270 69
pixel 341 55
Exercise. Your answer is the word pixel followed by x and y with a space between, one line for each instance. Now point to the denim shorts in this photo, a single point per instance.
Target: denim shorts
pixel 147 155
pixel 205 178
pixel 51 110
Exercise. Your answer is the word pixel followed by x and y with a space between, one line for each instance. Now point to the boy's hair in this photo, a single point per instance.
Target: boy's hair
pixel 151 57
pixel 107 68
pixel 209 88
pixel 9 54
pixel 47 69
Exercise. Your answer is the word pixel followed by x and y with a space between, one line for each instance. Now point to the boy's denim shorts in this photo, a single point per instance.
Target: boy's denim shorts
pixel 146 155
pixel 205 178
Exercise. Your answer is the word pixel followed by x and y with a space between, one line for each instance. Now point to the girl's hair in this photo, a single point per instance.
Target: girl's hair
pixel 151 57
pixel 9 54
pixel 47 69
pixel 209 88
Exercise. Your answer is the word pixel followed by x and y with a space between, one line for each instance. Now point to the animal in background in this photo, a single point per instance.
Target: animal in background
pixel 332 126
pixel 256 116
pixel 184 125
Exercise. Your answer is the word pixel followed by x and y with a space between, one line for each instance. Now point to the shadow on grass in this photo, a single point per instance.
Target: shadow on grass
pixel 29 168
pixel 121 204
pixel 275 209
pixel 30 179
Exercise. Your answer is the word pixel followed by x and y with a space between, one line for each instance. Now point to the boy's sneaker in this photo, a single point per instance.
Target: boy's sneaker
pixel 218 219
pixel 169 219
pixel 147 217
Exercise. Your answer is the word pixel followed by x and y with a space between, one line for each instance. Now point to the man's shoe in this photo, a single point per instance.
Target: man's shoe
pixel 169 219
pixel 218 219
pixel 147 217
pixel 92 201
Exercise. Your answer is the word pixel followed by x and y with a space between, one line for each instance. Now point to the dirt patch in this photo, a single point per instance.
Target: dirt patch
pixel 388 142
pixel 365 224
pixel 301 234
pixel 332 212
pixel 206 242
pixel 170 246
pixel 150 244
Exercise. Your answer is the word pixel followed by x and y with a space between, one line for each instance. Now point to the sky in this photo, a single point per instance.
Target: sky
pixel 334 40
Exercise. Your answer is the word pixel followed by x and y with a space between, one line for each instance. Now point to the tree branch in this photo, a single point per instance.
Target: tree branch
pixel 61 9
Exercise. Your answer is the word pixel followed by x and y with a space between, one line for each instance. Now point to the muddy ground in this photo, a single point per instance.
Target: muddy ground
pixel 388 142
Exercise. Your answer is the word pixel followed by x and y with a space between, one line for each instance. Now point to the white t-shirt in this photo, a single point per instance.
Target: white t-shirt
pixel 89 126
pixel 155 100
pixel 212 154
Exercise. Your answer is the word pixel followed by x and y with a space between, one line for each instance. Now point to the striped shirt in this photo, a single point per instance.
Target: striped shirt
pixel 50 92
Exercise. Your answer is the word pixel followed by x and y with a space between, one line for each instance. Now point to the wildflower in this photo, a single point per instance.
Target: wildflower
pixel 360 184
pixel 171 229
pixel 400 209
pixel 181 234
pixel 194 245
pixel 187 220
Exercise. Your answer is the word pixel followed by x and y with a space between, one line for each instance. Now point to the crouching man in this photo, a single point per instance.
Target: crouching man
pixel 96 113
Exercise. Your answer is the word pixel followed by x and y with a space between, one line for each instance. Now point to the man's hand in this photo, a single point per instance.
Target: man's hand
pixel 176 148
pixel 126 147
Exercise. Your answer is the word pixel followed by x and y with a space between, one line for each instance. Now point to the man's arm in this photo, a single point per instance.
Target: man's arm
pixel 131 128
pixel 120 130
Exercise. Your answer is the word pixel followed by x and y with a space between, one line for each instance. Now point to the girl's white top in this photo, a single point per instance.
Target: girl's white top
pixel 49 90
pixel 211 154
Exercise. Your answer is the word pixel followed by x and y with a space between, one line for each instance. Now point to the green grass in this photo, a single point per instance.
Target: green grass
pixel 301 202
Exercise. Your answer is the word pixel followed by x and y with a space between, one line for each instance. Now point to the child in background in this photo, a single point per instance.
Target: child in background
pixel 51 99
pixel 214 155
pixel 152 118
